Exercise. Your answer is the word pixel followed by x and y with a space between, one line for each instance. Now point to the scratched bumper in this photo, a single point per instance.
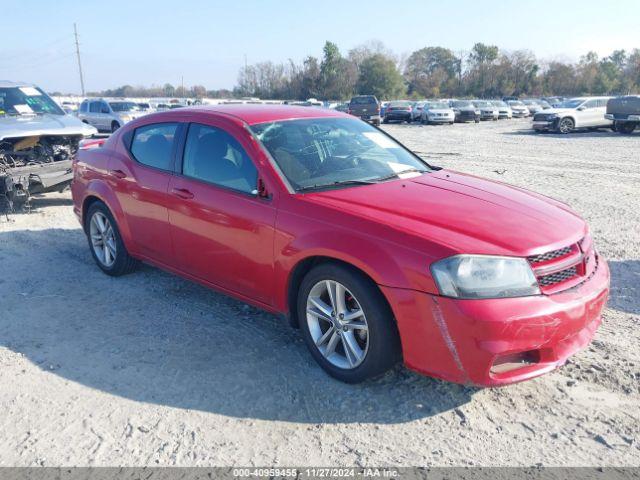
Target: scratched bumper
pixel 459 340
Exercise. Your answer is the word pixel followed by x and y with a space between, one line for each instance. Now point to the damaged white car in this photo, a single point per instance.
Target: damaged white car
pixel 37 143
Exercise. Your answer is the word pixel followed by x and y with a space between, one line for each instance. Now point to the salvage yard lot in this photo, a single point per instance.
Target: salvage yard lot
pixel 151 369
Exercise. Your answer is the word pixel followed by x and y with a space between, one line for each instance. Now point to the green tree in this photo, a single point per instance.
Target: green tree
pixel 379 76
pixel 431 72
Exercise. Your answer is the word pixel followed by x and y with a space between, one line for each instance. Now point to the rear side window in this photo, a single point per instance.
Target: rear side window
pixel 152 145
pixel 84 106
pixel 214 156
pixel 94 107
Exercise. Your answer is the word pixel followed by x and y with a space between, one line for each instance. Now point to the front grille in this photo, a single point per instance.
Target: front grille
pixel 542 117
pixel 557 277
pixel 544 257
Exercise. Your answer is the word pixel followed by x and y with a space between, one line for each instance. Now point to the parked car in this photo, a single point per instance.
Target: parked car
pixel 416 111
pixel 504 110
pixel 554 101
pixel 37 143
pixel 437 112
pixel 108 116
pixel 509 98
pixel 377 256
pixel 342 107
pixel 576 113
pixel 488 111
pixel 398 111
pixel 365 107
pixel 465 111
pixel 532 105
pixel 518 109
pixel 624 112
pixel 144 107
pixel 383 108
pixel 543 103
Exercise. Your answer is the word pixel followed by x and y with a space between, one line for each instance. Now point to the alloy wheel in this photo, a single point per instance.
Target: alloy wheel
pixel 337 324
pixel 103 239
pixel 566 125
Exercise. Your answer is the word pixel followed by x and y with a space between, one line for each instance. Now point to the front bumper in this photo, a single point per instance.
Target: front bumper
pixel 463 340
pixel 467 116
pixel 545 125
pixel 520 113
pixel 442 119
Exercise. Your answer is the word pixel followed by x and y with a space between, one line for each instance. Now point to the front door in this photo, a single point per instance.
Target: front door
pixel 222 231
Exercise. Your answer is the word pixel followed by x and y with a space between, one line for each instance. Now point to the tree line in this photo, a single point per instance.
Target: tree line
pixel 430 72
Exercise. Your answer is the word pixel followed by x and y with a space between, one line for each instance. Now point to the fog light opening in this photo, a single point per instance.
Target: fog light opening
pixel 514 361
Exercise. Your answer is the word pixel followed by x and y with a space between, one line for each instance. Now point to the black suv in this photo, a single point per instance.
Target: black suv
pixel 365 107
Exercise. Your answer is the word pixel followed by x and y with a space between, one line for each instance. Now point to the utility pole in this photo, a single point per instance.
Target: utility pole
pixel 75 32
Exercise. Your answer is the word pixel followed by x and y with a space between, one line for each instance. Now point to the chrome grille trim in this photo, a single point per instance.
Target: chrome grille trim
pixel 543 257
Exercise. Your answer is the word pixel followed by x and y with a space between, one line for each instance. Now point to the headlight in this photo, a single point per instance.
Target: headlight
pixel 552 116
pixel 484 276
pixel 126 118
pixel 477 112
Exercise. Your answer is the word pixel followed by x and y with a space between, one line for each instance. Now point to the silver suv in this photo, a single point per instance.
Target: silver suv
pixel 108 116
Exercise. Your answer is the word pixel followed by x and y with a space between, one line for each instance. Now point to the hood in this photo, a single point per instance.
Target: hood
pixel 43 124
pixel 463 213
pixel 440 110
pixel 557 110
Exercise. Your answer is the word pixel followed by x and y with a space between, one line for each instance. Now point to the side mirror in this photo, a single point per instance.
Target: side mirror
pixel 582 108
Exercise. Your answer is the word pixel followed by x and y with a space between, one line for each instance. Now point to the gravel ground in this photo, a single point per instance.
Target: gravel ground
pixel 150 369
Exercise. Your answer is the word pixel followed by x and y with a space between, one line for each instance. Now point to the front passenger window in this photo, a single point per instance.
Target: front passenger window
pixel 213 155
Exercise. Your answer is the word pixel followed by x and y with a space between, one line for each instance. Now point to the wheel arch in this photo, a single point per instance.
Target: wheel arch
pixel 304 266
pixel 97 191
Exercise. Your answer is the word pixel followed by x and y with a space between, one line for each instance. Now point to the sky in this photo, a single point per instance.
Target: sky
pixel 144 42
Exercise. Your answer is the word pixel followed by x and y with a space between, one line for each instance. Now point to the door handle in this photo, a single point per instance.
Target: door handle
pixel 182 193
pixel 117 173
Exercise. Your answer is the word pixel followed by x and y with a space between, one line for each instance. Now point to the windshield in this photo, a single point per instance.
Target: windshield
pixel 124 106
pixel 530 102
pixel 26 100
pixel 462 104
pixel 321 152
pixel 437 106
pixel 498 103
pixel 516 102
pixel 573 103
pixel 482 103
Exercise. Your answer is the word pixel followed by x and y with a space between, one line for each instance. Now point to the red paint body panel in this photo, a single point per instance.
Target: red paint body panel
pixel 249 246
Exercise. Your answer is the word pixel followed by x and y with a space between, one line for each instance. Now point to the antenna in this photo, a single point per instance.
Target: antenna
pixel 75 33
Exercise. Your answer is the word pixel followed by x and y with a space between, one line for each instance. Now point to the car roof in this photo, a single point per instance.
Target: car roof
pixel 10 84
pixel 254 113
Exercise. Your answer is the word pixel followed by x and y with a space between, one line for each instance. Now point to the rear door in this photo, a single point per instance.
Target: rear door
pixel 222 230
pixel 139 173
pixel 590 116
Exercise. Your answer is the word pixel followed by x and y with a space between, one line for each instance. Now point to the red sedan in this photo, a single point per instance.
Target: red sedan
pixel 377 256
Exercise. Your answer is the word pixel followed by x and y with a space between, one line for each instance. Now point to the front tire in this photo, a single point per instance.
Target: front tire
pixel 347 324
pixel 566 125
pixel 105 242
pixel 114 126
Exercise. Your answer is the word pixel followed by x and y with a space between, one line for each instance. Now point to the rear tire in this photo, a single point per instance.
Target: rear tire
pixel 105 242
pixel 625 127
pixel 378 342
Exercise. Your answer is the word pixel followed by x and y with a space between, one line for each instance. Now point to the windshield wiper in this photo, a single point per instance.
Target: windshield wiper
pixel 334 184
pixel 402 172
